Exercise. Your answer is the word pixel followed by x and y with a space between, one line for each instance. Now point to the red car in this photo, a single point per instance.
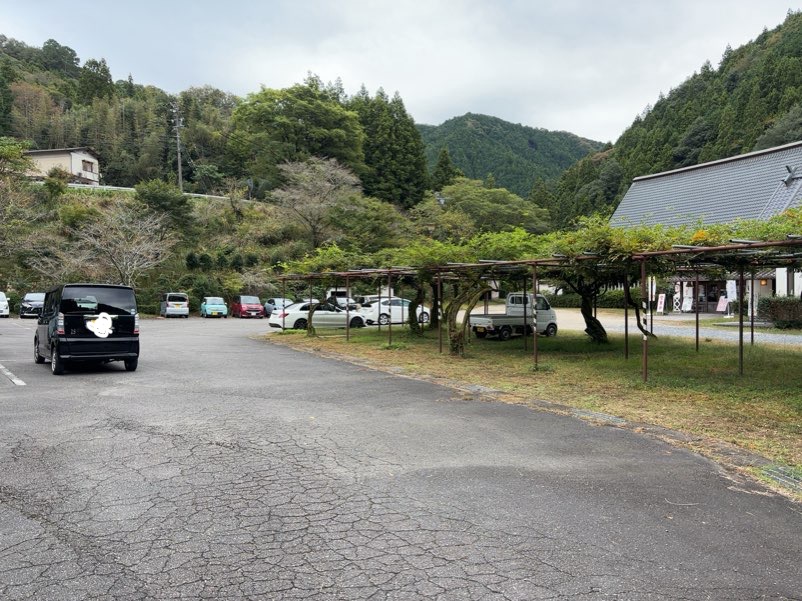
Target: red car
pixel 247 306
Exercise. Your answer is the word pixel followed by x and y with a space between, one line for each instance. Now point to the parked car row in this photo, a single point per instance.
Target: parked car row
pixel 370 309
pixel 336 312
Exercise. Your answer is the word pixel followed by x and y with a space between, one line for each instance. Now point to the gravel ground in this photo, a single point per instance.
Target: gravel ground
pixel 666 325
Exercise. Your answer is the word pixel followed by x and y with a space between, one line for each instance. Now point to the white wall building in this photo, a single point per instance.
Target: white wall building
pixel 82 163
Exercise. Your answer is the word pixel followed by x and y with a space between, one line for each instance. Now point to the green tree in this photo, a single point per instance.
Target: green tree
pixel 61 59
pixel 55 183
pixel 95 81
pixel 494 209
pixel 444 172
pixel 6 100
pixel 367 225
pixel 13 160
pixel 394 152
pixel 276 126
pixel 431 220
pixel 787 128
pixel 161 197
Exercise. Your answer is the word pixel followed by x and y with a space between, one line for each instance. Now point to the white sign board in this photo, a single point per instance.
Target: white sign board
pixel 661 303
pixel 687 303
pixel 732 294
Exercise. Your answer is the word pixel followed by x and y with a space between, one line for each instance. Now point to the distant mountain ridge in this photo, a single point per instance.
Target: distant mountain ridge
pixel 516 155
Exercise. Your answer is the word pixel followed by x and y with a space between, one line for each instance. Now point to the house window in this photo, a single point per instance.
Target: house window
pixel 88 166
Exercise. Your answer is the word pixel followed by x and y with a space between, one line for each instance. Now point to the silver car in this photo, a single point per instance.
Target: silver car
pixel 272 304
pixel 4 307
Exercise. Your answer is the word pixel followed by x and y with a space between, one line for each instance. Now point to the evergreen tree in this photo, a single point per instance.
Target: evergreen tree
pixel 6 101
pixel 394 151
pixel 541 194
pixel 444 172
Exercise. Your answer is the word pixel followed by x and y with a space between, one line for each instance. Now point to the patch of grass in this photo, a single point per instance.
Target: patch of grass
pixel 395 346
pixel 697 393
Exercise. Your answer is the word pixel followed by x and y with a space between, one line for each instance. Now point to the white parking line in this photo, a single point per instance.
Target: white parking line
pixel 10 376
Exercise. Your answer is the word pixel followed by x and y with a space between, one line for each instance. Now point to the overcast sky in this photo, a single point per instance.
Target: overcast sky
pixel 583 66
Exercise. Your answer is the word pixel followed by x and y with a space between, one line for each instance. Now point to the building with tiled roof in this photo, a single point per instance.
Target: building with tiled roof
pixel 756 185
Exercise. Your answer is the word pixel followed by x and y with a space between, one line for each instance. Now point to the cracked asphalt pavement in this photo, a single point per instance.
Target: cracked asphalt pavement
pixel 230 468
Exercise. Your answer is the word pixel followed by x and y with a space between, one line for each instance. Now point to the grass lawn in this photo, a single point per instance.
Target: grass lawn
pixel 700 394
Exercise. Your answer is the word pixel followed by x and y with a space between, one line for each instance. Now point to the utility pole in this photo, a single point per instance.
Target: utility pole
pixel 179 123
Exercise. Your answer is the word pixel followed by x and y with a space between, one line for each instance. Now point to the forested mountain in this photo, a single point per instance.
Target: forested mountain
pixel 515 155
pixel 49 100
pixel 752 100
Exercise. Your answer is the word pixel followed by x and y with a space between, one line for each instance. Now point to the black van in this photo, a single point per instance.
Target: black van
pixel 89 323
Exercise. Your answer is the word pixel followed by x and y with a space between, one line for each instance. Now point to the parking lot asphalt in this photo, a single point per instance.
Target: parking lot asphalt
pixel 227 467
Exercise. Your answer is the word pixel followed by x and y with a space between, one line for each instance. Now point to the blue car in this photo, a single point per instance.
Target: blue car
pixel 213 306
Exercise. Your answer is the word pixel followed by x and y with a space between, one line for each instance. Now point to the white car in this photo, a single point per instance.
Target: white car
pixel 295 317
pixel 397 309
pixel 4 308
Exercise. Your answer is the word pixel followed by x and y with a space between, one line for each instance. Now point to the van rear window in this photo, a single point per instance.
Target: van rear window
pixel 91 300
pixel 250 300
pixel 176 298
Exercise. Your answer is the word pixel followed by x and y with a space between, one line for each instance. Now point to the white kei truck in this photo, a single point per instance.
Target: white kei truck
pixel 518 318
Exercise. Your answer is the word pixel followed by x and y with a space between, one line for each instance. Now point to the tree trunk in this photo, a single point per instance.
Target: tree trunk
pixel 636 306
pixel 466 318
pixel 415 328
pixel 310 329
pixel 593 326
pixel 456 335
pixel 434 316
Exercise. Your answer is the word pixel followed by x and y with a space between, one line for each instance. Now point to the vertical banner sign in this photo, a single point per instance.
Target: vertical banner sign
pixel 661 303
pixel 732 293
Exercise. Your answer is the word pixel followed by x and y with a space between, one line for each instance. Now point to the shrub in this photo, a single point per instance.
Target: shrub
pixel 784 311
pixel 73 215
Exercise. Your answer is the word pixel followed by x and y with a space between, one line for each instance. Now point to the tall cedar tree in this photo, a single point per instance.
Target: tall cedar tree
pixel 445 172
pixel 394 152
pixel 6 101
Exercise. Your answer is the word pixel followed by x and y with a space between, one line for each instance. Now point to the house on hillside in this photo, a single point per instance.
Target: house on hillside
pixel 82 162
pixel 756 185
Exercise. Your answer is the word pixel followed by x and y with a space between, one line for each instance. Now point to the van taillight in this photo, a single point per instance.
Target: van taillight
pixel 60 324
pixel 283 314
pixel 136 323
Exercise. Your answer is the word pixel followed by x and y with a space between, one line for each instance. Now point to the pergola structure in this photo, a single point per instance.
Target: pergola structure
pixel 739 256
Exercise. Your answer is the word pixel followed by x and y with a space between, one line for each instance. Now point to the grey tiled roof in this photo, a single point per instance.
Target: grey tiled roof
pixel 750 186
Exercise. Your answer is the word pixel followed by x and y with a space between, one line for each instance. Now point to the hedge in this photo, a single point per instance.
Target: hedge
pixel 784 311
